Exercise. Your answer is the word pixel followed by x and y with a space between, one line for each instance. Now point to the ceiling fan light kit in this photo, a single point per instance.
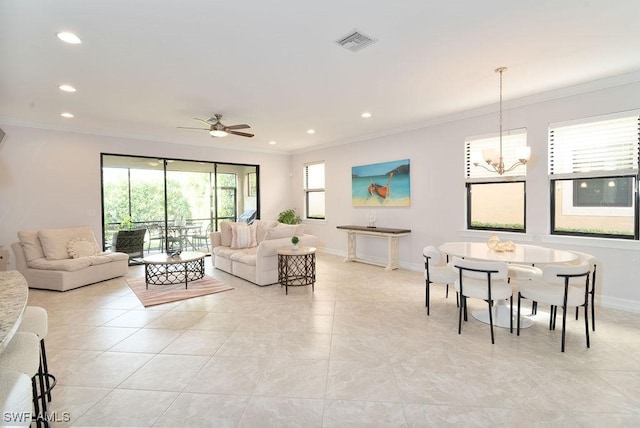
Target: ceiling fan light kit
pixel 218 133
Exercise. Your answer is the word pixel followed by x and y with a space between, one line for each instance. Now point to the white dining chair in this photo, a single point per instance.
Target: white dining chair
pixel 593 263
pixel 487 281
pixel 436 272
pixel 560 286
pixel 15 398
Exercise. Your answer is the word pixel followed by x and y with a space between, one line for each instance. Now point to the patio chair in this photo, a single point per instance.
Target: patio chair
pixel 248 216
pixel 199 238
pixel 130 242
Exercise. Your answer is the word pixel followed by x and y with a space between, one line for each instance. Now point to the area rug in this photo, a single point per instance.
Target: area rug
pixel 159 294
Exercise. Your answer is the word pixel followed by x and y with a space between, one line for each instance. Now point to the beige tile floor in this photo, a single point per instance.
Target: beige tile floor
pixel 359 352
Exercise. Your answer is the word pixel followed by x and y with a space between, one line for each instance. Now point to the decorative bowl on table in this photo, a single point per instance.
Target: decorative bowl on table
pixel 497 245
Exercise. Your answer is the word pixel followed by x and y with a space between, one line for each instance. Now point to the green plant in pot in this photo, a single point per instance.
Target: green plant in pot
pixel 294 242
pixel 126 222
pixel 289 217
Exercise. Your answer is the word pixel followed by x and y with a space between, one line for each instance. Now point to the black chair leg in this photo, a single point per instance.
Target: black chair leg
pixel 586 325
pixel 593 311
pixel 45 366
pixel 426 297
pixel 534 308
pixel 518 320
pixel 462 304
pixel 491 320
pixel 511 314
pixel 552 320
pixel 564 324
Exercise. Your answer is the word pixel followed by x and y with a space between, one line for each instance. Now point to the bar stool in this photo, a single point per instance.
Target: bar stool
pixel 35 320
pixel 15 396
pixel 22 354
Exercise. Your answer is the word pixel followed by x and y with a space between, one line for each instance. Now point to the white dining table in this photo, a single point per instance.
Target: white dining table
pixel 523 254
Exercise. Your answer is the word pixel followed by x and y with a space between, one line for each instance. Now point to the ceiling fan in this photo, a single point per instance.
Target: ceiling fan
pixel 217 129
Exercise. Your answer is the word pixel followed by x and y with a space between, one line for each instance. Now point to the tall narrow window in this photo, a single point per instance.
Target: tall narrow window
pixel 314 190
pixel 593 171
pixel 496 202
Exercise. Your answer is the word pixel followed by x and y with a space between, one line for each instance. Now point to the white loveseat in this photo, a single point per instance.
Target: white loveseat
pixel 254 260
pixel 63 259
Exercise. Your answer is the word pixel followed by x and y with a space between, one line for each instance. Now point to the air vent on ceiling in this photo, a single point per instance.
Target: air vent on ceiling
pixel 355 41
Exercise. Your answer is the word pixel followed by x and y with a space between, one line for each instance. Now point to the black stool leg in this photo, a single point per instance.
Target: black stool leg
pixel 45 366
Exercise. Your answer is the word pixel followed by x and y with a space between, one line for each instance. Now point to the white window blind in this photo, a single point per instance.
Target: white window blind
pixel 595 147
pixel 314 176
pixel 513 142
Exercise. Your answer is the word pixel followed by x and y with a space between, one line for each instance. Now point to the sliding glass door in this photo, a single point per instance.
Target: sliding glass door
pixel 178 202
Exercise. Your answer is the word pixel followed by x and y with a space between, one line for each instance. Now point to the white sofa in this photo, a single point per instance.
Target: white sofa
pixel 63 259
pixel 257 262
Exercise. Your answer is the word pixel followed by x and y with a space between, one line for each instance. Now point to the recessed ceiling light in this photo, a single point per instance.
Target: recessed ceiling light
pixel 67 88
pixel 311 131
pixel 66 114
pixel 366 115
pixel 71 38
pixel 273 143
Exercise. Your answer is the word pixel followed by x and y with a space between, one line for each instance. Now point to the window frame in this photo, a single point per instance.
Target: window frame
pixel 497 229
pixel 512 140
pixel 310 190
pixel 629 158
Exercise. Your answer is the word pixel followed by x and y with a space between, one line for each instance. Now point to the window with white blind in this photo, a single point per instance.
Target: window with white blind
pixel 480 148
pixel 593 172
pixel 495 201
pixel 314 190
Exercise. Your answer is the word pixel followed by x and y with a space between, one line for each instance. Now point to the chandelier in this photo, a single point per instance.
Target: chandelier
pixel 494 159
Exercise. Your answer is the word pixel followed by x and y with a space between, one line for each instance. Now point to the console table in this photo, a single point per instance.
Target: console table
pixel 392 236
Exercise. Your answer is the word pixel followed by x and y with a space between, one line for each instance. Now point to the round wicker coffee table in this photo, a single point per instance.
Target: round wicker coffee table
pixel 162 269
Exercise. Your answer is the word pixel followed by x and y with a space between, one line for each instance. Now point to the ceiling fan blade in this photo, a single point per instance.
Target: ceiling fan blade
pixel 188 127
pixel 242 134
pixel 243 126
pixel 205 121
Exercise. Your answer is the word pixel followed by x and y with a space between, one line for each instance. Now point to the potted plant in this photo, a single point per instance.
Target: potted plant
pixel 289 217
pixel 126 222
pixel 294 242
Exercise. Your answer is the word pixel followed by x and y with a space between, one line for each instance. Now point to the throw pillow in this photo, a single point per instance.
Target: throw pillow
pixel 262 226
pixel 30 244
pixel 281 231
pixel 80 247
pixel 225 232
pixel 54 241
pixel 243 236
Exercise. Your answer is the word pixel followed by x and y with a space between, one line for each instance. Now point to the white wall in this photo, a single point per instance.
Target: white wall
pixel 52 179
pixel 437 211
